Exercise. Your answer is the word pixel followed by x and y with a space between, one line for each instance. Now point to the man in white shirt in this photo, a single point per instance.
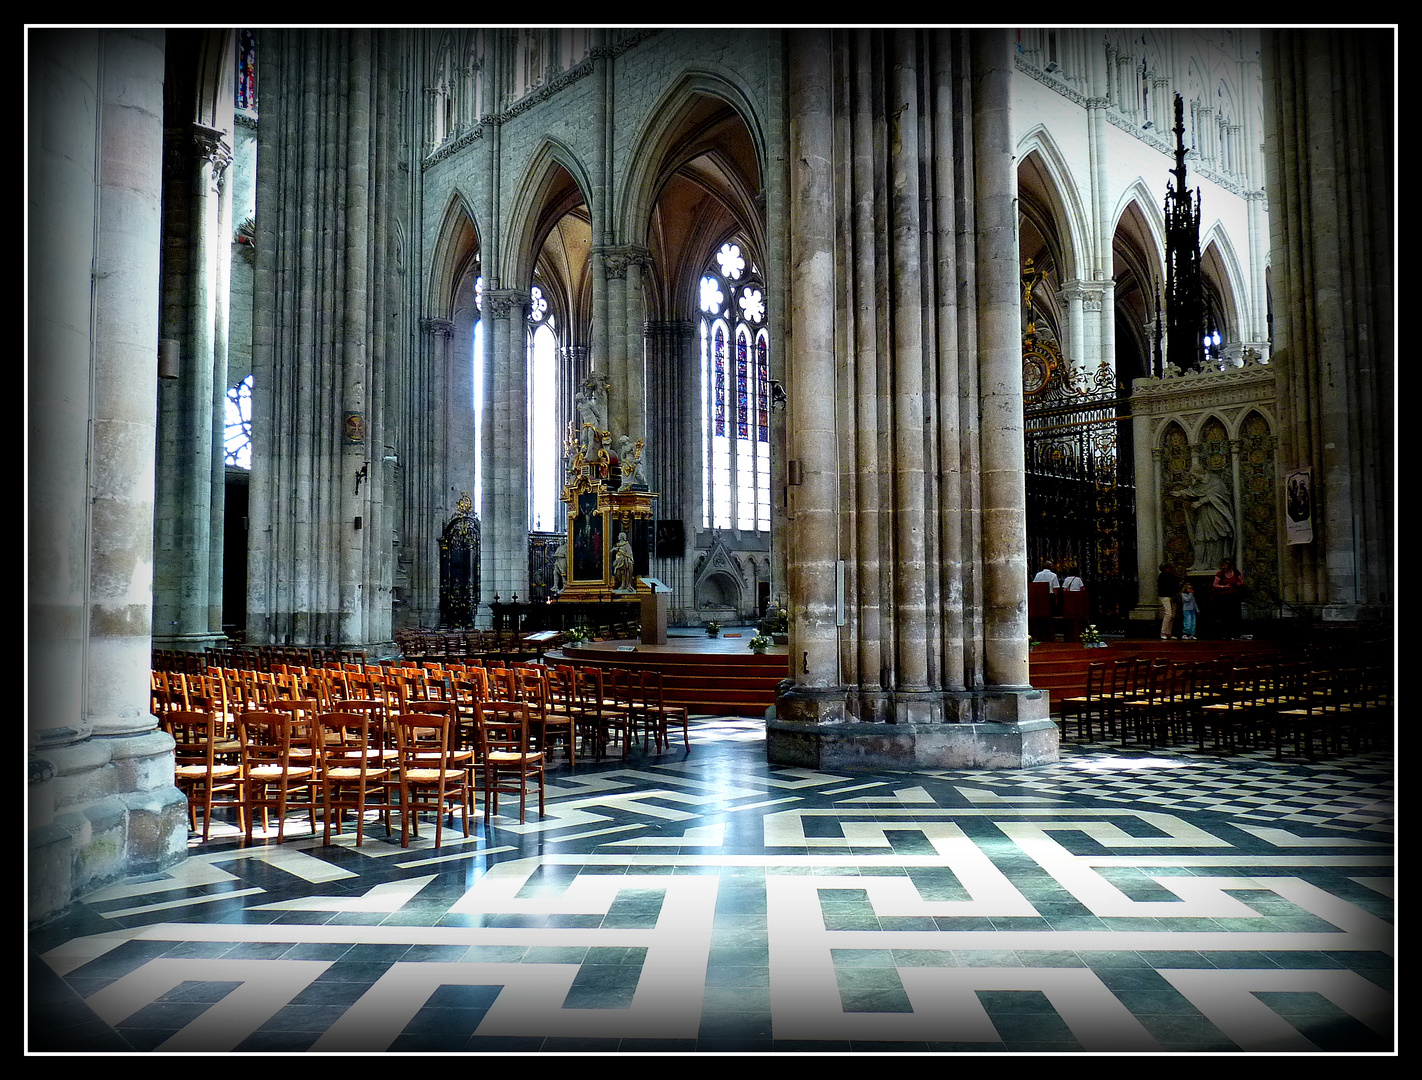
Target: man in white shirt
pixel 1048 575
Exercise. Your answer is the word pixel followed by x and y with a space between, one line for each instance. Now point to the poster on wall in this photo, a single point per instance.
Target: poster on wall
pixel 1298 506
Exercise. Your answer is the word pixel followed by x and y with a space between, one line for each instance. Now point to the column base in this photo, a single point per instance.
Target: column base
pixel 971 729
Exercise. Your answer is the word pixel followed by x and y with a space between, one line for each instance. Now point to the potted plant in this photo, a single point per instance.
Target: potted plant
pixel 1091 638
pixel 713 629
pixel 760 643
pixel 578 634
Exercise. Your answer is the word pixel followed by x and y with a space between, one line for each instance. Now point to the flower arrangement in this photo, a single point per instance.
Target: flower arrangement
pixel 1091 637
pixel 760 643
pixel 713 628
pixel 578 634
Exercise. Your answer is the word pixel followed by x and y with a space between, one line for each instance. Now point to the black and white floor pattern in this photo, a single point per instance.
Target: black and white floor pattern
pixel 1144 902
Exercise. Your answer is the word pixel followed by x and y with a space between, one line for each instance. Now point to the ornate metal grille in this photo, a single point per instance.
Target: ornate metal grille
pixel 1081 500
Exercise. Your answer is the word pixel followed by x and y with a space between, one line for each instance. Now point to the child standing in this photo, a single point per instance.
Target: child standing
pixel 1189 607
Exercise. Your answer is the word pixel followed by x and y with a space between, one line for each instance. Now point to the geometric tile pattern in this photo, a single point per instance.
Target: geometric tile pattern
pixel 704 901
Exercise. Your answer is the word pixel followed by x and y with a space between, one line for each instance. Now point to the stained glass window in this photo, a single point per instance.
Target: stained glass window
pixel 239 424
pixel 735 415
pixel 247 71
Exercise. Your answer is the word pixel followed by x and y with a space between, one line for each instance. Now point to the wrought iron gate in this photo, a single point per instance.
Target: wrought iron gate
pixel 1081 499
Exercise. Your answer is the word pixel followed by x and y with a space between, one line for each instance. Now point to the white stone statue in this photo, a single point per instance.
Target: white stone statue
pixel 629 456
pixel 591 404
pixel 560 565
pixel 1210 518
pixel 623 577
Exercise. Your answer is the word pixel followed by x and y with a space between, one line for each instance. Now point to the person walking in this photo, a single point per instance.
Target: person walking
pixel 1167 589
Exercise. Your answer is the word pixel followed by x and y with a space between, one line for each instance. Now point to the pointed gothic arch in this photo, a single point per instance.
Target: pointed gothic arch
pixel 1038 151
pixel 1224 281
pixel 455 254
pixel 555 183
pixel 668 141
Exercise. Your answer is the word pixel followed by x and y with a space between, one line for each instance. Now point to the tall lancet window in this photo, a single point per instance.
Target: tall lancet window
pixel 239 424
pixel 544 448
pixel 735 394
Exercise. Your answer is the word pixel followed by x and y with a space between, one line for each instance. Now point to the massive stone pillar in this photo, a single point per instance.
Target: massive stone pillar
pixel 101 798
pixel 505 530
pixel 906 538
pixel 673 456
pixel 817 693
pixel 330 345
pixel 188 540
pixel 1328 156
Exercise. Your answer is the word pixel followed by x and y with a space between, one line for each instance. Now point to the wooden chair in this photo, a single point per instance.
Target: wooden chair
pixel 662 715
pixel 1143 711
pixel 429 777
pixel 509 763
pixel 1086 708
pixel 351 769
pixel 503 684
pixel 1232 713
pixel 1121 683
pixel 199 771
pixel 546 723
pixel 629 712
pixel 279 766
pixel 564 699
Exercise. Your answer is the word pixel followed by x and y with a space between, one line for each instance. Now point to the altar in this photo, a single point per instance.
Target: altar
pixel 611 531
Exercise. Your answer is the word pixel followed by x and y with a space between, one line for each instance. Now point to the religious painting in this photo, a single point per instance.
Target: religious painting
pixel 588 540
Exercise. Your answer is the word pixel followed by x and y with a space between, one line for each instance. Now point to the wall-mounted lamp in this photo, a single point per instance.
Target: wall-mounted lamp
pixel 362 474
pixel 169 360
pixel 778 398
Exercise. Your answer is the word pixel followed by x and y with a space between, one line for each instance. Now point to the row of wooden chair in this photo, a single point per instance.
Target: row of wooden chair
pixel 253 657
pixel 565 705
pixel 287 760
pixel 1313 705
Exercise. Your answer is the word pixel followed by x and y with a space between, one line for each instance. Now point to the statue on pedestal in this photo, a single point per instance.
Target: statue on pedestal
pixel 629 455
pixel 1210 518
pixel 623 576
pixel 591 404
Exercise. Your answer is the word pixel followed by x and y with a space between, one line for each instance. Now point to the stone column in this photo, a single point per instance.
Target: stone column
pixel 909 452
pixel 1004 493
pixel 217 527
pixel 1328 123
pixel 101 798
pixel 1072 294
pixel 198 156
pixel 427 496
pixel 814 496
pixel 639 262
pixel 615 361
pixel 506 533
pixel 1147 465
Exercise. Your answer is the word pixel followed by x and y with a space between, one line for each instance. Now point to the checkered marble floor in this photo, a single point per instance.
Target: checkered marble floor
pixel 1116 902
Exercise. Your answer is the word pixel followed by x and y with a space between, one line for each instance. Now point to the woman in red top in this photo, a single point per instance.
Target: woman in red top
pixel 1225 595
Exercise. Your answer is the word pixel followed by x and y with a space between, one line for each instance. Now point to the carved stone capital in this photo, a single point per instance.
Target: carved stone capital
pixel 614 265
pixel 212 147
pixel 434 326
pixel 505 303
